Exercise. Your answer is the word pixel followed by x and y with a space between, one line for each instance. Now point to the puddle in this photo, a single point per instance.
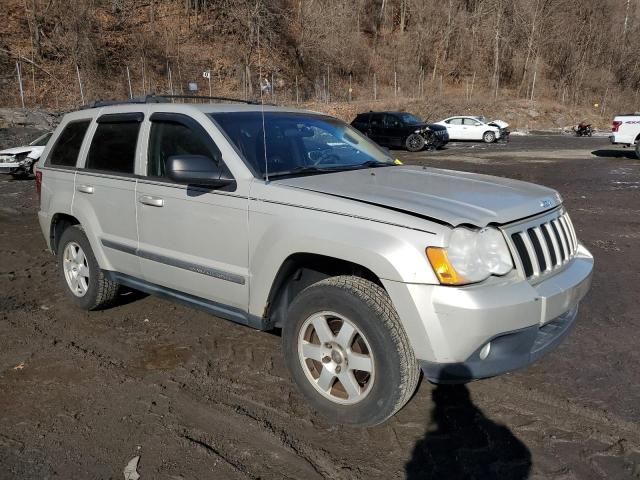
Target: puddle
pixel 621 171
pixel 627 185
pixel 164 357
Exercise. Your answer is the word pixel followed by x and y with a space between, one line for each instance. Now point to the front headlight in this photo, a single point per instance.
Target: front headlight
pixel 21 157
pixel 472 256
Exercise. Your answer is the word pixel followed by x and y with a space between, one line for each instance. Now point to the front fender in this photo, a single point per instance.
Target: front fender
pixel 277 231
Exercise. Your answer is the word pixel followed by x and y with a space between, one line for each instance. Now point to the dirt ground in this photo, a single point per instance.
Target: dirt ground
pixel 199 397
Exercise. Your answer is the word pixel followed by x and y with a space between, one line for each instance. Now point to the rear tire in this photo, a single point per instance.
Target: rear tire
pixel 638 148
pixel 414 142
pixel 84 282
pixel 323 364
pixel 489 137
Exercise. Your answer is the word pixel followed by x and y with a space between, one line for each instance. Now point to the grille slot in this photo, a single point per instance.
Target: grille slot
pixel 546 246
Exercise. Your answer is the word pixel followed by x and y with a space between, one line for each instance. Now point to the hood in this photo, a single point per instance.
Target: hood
pixel 16 150
pixel 34 152
pixel 447 196
pixel 498 123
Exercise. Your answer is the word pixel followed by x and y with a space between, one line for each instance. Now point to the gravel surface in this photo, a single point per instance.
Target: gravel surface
pixel 199 397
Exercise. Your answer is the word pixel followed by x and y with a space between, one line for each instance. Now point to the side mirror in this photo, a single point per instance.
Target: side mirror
pixel 197 170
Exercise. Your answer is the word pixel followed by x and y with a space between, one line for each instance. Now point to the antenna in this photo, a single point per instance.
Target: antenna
pixel 264 131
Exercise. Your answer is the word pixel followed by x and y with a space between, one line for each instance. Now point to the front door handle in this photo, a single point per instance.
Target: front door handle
pixel 152 201
pixel 85 188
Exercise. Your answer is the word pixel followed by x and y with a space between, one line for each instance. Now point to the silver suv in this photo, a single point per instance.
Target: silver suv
pixel 285 219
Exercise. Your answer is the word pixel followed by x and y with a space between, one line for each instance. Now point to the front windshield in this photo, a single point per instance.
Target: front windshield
pixel 41 141
pixel 410 119
pixel 298 143
pixel 481 118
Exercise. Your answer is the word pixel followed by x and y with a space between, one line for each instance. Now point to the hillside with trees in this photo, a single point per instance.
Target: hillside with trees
pixel 569 52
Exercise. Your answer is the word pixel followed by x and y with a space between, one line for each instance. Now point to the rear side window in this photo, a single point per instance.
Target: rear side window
pixel 455 121
pixel 113 147
pixel 362 118
pixel 376 119
pixel 67 147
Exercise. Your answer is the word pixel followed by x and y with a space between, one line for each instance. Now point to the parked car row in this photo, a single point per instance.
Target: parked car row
pixel 405 130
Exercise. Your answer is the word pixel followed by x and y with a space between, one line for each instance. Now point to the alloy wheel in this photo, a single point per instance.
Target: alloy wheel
pixel 336 357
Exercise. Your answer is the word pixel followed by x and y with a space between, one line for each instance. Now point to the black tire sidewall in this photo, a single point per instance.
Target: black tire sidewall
pixel 638 149
pixel 381 401
pixel 77 235
pixel 407 143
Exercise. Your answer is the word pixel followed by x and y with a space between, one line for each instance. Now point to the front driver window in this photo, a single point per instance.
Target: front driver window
pixel 172 138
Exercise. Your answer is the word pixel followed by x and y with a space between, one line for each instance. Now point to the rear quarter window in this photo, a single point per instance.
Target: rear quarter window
pixel 65 151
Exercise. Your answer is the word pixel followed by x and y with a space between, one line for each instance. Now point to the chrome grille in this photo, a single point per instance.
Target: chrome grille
pixel 544 246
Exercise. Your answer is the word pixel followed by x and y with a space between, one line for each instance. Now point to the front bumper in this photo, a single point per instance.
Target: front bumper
pixel 9 168
pixel 448 327
pixel 509 351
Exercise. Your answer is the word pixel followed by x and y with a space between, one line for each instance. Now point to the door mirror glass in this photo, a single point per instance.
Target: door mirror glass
pixel 197 170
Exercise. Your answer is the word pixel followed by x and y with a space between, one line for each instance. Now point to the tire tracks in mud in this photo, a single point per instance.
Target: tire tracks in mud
pixel 255 418
pixel 218 395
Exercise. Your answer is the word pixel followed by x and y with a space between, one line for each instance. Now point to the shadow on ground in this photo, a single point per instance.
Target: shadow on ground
pixel 463 443
pixel 628 153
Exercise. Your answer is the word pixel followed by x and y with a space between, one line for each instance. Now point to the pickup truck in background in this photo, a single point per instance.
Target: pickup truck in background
pixel 625 130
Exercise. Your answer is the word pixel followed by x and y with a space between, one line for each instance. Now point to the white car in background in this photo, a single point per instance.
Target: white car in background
pixel 475 128
pixel 19 161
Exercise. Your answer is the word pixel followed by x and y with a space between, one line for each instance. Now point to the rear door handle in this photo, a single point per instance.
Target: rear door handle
pixel 85 188
pixel 152 201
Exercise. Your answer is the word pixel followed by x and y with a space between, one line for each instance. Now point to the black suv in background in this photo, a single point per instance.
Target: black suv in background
pixel 400 129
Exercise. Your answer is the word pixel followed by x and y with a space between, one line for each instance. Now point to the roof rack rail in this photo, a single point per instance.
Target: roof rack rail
pixel 160 98
pixel 107 103
pixel 207 97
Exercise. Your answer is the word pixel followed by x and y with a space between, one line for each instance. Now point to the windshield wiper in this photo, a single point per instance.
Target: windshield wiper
pixel 310 169
pixel 369 164
pixel 302 170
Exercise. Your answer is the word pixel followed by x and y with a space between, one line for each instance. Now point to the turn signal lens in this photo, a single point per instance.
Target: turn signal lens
pixel 444 270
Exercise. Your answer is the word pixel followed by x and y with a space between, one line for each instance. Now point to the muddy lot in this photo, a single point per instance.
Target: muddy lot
pixel 198 397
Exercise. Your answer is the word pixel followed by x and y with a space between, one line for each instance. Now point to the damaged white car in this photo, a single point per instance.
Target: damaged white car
pixel 19 161
pixel 475 128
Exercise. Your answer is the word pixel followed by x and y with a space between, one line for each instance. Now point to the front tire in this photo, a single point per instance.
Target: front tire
pixel 84 282
pixel 414 142
pixel 348 352
pixel 489 137
pixel 638 149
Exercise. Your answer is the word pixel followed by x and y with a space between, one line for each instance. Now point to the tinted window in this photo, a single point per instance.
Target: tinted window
pixel 41 141
pixel 113 147
pixel 391 121
pixel 376 119
pixel 67 147
pixel 410 119
pixel 169 138
pixel 362 118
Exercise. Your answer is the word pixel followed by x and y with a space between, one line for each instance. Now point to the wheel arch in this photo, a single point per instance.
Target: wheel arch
pixel 59 223
pixel 300 270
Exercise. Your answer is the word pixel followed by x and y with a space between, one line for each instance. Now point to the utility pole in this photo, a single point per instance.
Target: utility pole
pixel 375 92
pixel 20 82
pixel 80 83
pixel 129 79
